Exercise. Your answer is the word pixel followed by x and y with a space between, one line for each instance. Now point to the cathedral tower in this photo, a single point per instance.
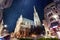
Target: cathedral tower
pixel 18 24
pixel 36 18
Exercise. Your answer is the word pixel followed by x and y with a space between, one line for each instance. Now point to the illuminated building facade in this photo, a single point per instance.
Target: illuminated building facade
pixel 23 24
pixel 37 21
pixel 52 16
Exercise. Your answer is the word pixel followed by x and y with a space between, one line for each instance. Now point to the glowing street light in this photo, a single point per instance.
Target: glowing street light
pixel 43 24
pixel 5 26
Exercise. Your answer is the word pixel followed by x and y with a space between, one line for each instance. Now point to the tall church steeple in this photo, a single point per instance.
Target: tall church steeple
pixel 36 18
pixel 21 18
pixel 18 24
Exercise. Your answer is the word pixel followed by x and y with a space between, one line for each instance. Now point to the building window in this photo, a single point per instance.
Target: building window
pixel 59 16
pixel 22 23
pixel 47 32
pixel 54 8
pixel 47 8
pixel 56 11
pixel 52 19
pixel 50 14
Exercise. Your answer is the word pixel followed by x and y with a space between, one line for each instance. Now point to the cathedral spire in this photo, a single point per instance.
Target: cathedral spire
pixel 21 17
pixel 36 18
pixel 19 21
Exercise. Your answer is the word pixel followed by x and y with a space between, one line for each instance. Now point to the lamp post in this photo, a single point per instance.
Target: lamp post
pixel 5 29
pixel 5 26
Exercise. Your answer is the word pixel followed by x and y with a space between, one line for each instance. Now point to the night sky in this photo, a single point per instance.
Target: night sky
pixel 24 7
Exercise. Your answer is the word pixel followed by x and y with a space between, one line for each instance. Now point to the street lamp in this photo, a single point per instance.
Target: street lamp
pixel 5 26
pixel 43 24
